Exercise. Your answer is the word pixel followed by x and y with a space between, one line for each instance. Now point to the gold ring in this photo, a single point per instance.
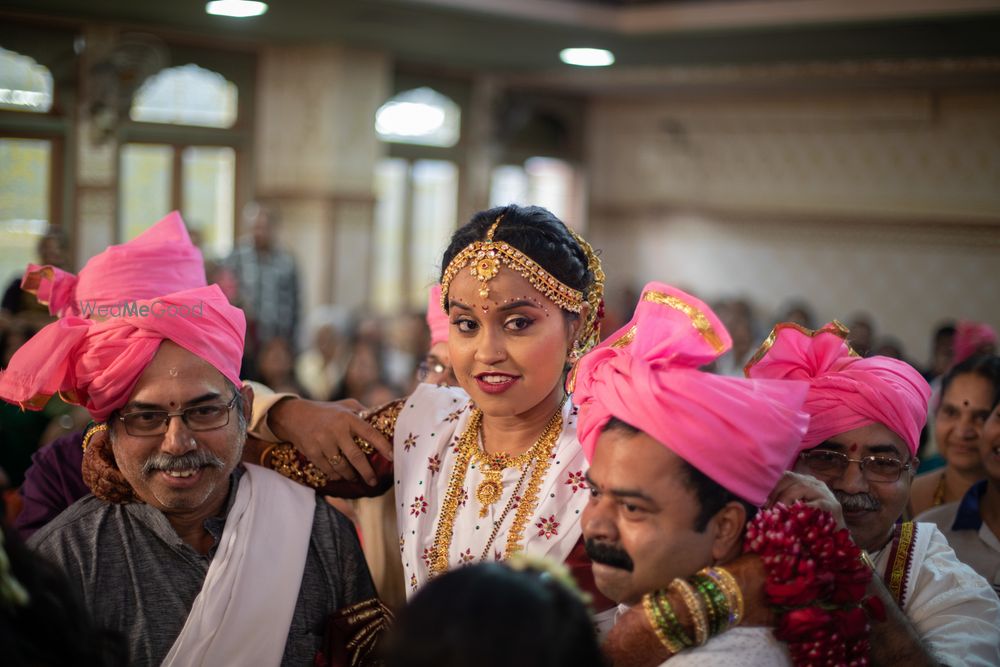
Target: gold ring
pixel 335 459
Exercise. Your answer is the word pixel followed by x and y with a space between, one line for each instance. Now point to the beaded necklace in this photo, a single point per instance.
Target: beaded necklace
pixel 468 448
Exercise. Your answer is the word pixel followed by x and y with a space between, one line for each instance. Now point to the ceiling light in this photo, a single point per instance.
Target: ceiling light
pixel 238 8
pixel 587 57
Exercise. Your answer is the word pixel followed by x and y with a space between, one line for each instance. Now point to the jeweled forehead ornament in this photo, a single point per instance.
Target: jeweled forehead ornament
pixel 485 258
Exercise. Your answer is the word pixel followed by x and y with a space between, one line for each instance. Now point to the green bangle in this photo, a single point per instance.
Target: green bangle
pixel 671 625
pixel 715 601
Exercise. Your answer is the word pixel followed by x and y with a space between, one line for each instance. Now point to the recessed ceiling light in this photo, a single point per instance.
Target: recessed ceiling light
pixel 587 57
pixel 238 8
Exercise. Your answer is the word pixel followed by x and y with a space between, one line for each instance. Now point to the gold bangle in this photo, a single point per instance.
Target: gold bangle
pixel 265 454
pixel 91 432
pixel 732 590
pixel 695 608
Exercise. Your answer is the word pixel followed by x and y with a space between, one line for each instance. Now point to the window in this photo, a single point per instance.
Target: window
pixel 186 95
pixel 24 84
pixel 193 171
pixel 420 116
pixel 199 181
pixel 414 218
pixel 25 165
pixel 545 182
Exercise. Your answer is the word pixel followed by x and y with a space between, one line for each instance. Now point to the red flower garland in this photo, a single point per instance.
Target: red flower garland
pixel 816 582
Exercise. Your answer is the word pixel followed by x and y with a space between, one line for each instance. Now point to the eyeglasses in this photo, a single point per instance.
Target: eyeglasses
pixel 427 367
pixel 825 463
pixel 197 418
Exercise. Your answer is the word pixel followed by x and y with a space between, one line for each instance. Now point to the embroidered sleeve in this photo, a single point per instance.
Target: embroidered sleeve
pixel 293 464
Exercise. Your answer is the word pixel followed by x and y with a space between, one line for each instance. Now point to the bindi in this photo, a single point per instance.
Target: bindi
pixel 854 448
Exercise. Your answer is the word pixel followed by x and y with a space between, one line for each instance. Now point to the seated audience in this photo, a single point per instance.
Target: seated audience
pixel 972 525
pixel 968 392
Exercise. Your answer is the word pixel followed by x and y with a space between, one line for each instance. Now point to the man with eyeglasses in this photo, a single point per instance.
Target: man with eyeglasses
pixel 194 557
pixel 436 366
pixel 865 421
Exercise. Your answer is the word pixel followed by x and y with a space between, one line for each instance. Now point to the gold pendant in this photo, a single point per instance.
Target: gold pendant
pixel 489 490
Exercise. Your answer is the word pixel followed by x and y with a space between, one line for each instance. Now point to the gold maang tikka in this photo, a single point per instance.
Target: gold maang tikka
pixel 486 257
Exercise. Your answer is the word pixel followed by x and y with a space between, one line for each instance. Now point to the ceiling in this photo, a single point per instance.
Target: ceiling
pixel 525 36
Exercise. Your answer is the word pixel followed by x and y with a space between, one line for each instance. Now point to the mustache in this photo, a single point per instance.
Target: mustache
pixel 857 502
pixel 607 554
pixel 199 458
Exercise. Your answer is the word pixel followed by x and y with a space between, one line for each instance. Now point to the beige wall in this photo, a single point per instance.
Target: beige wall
pixel 888 203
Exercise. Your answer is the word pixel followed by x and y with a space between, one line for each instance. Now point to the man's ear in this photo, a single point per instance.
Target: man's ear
pixel 728 527
pixel 246 391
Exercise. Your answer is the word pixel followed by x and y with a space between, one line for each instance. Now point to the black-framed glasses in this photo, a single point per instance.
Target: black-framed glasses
pixel 207 417
pixel 875 468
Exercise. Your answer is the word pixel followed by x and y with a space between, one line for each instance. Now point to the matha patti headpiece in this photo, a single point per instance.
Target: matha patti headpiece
pixel 486 257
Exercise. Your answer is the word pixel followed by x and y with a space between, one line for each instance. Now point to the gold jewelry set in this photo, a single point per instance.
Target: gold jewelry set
pixel 490 489
pixel 486 257
pixel 714 603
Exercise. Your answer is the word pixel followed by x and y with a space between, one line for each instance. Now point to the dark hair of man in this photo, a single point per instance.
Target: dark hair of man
pixel 711 495
pixel 986 366
pixel 534 231
pixel 490 615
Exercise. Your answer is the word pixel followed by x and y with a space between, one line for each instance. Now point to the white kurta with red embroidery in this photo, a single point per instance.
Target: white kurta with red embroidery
pixel 427 432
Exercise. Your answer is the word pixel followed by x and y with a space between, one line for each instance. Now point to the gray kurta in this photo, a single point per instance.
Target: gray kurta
pixel 138 577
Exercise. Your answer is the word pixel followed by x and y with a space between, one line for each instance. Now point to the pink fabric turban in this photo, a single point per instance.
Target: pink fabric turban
pixel 972 338
pixel 743 434
pixel 437 319
pixel 845 391
pixel 97 364
pixel 159 261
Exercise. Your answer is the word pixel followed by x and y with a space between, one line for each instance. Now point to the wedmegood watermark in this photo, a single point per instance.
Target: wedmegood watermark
pixel 136 309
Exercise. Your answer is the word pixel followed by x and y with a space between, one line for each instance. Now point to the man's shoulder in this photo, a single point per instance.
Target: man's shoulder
pixel 79 519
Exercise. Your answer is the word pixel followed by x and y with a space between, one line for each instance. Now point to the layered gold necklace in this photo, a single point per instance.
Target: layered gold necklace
pixel 490 489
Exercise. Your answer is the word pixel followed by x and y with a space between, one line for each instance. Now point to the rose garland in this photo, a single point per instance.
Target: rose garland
pixel 816 582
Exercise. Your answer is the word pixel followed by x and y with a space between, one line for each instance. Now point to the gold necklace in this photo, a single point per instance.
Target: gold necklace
pixel 492 466
pixel 468 447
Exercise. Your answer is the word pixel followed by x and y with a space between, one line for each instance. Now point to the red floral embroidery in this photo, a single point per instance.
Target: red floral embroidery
pixel 466 557
pixel 576 481
pixel 418 506
pixel 402 542
pixel 464 498
pixel 413 581
pixel 453 417
pixel 411 441
pixel 434 464
pixel 427 557
pixel 548 527
pixel 497 556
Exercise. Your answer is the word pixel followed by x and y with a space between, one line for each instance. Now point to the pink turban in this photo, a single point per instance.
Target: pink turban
pixel 742 434
pixel 972 338
pixel 97 364
pixel 159 261
pixel 845 391
pixel 437 319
